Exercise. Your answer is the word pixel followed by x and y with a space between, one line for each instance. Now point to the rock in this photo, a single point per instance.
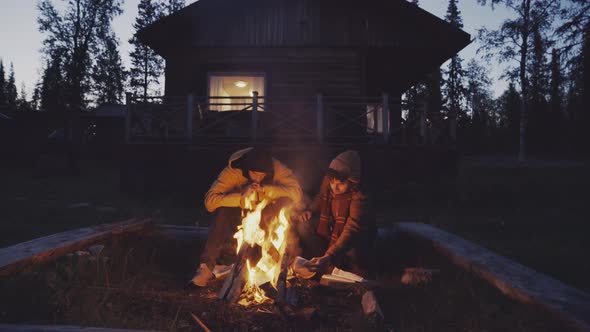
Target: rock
pixel 417 276
pixel 370 304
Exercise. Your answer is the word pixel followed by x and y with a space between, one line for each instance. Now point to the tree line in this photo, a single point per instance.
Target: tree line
pixel 546 107
pixel 82 61
pixel 546 45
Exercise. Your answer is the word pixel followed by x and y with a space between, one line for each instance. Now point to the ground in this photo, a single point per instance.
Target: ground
pixel 136 282
pixel 537 215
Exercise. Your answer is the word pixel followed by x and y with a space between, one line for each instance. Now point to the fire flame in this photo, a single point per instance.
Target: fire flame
pixel 267 269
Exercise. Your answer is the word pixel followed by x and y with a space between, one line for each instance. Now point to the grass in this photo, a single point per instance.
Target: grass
pixel 537 215
pixel 34 205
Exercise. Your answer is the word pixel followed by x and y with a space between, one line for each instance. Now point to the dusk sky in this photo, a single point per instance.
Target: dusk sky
pixel 21 41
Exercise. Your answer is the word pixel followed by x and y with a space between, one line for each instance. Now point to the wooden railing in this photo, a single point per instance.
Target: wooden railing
pixel 321 119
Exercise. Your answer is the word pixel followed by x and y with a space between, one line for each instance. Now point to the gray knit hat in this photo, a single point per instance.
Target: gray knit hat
pixel 348 163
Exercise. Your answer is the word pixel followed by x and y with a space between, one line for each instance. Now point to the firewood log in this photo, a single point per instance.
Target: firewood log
pixel 235 282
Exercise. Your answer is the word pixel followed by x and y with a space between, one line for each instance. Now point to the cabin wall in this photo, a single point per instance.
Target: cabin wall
pixel 290 72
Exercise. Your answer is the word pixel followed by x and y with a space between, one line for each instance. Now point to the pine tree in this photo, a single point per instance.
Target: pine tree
pixel 509 112
pixel 2 84
pixel 479 102
pixel 22 105
pixel 434 91
pixel 11 92
pixel 76 34
pixel 36 99
pixel 586 74
pixel 174 5
pixel 146 65
pixel 555 114
pixel 454 89
pixel 108 74
pixel 539 125
pixel 52 85
pixel 512 42
pixel 556 86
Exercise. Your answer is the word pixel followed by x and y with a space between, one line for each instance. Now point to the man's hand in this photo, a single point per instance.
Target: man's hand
pixel 249 195
pixel 319 264
pixel 303 216
pixel 250 189
pixel 249 192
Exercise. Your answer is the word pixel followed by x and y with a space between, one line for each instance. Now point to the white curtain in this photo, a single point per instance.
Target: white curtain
pixel 216 90
pixel 233 85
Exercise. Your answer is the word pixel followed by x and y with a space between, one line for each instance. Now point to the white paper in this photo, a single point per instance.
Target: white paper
pixel 347 275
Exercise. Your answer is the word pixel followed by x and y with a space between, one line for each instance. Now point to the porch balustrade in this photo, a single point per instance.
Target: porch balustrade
pixel 260 119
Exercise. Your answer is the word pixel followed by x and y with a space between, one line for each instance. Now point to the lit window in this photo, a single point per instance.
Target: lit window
pixel 234 85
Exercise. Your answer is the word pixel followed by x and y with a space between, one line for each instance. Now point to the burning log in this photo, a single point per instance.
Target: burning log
pixel 282 280
pixel 260 259
pixel 235 282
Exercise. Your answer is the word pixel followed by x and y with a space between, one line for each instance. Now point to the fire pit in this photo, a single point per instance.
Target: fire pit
pixel 136 282
pixel 260 257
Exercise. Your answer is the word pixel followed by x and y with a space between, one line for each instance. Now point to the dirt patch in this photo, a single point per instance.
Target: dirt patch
pixel 138 282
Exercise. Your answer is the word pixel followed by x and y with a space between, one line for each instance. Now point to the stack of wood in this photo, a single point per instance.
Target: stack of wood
pixel 238 276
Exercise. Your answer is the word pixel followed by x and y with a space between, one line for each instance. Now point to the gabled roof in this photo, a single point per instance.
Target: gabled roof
pixel 296 23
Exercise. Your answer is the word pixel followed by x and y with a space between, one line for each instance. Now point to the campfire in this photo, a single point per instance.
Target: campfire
pixel 261 258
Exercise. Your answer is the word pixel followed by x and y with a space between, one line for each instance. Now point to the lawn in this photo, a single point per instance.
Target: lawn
pixel 33 205
pixel 535 215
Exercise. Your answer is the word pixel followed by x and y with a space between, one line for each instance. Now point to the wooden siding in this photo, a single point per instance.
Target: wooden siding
pixel 289 73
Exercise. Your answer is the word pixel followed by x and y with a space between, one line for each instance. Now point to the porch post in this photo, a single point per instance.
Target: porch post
pixel 385 118
pixel 395 116
pixel 128 102
pixel 423 122
pixel 254 122
pixel 190 105
pixel 320 117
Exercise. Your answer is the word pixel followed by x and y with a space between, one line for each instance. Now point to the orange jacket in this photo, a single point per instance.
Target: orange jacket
pixel 344 220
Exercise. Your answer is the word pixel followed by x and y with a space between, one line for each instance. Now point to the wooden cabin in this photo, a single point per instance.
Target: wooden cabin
pixel 289 74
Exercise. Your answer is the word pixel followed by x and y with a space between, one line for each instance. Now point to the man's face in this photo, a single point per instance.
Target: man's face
pixel 338 186
pixel 256 177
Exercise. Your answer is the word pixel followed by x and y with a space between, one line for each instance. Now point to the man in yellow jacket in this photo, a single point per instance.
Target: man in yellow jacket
pixel 249 171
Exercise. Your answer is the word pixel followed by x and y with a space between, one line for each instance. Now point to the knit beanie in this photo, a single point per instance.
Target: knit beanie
pixel 348 163
pixel 256 160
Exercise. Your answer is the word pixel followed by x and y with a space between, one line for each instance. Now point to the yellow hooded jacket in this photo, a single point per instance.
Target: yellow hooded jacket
pixel 226 190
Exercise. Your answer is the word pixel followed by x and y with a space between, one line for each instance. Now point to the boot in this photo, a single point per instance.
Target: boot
pixel 202 275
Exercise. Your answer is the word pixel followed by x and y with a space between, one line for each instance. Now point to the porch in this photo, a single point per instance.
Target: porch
pixel 321 119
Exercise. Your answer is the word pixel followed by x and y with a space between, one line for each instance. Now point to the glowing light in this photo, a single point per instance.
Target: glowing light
pixel 241 84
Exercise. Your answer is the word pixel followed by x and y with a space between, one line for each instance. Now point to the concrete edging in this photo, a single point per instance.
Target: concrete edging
pixel 516 281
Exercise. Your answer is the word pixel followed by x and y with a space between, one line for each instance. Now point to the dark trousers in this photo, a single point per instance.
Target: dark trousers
pixel 305 242
pixel 225 225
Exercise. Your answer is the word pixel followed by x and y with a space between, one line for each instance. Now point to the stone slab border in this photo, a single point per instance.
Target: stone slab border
pixel 25 254
pixel 58 328
pixel 518 282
